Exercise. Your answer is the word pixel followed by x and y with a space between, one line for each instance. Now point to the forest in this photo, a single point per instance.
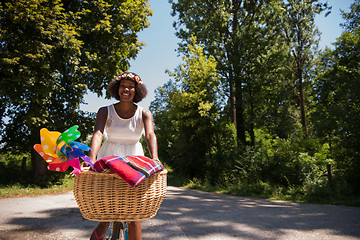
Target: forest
pixel 254 108
pixel 256 105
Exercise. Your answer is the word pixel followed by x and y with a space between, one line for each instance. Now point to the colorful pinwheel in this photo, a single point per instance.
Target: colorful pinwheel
pixel 61 150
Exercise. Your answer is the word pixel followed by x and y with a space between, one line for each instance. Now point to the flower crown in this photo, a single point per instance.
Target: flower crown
pixel 131 76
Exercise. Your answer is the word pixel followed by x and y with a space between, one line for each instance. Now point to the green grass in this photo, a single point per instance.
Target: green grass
pixel 319 195
pixel 20 190
pixel 258 190
pixel 18 181
pixel 322 195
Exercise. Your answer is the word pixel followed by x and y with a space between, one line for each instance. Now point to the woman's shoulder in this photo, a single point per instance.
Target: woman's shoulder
pixel 146 112
pixel 103 111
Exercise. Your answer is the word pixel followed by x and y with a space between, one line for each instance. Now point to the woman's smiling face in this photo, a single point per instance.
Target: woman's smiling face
pixel 126 90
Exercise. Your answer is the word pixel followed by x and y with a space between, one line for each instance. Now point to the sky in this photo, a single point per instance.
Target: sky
pixel 159 53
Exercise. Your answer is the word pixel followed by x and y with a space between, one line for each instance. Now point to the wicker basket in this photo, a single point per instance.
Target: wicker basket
pixel 106 197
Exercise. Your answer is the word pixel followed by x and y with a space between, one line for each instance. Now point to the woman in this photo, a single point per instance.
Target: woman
pixel 124 123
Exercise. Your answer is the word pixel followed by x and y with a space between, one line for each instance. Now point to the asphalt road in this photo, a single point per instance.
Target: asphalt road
pixel 186 214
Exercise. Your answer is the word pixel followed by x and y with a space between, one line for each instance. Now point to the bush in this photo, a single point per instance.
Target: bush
pixel 13 173
pixel 284 162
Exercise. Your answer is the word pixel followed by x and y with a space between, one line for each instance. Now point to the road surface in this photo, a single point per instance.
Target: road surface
pixel 186 214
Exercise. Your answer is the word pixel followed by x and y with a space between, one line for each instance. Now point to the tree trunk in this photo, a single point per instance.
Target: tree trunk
pixel 23 164
pixel 240 120
pixel 232 101
pixel 301 96
pixel 233 60
pixel 39 166
pixel 329 175
pixel 252 125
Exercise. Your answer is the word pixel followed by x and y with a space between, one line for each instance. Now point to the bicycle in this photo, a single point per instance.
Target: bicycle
pixel 117 231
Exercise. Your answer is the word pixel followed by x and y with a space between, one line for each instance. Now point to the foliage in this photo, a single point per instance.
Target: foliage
pixel 187 116
pixel 293 169
pixel 238 36
pixel 267 59
pixel 16 172
pixel 297 27
pixel 52 53
pixel 337 116
pixel 231 118
pixel 321 194
pixel 294 161
pixel 264 51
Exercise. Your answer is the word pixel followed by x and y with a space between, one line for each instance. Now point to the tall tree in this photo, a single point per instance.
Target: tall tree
pixel 187 112
pixel 227 30
pixel 52 52
pixel 297 23
pixel 337 116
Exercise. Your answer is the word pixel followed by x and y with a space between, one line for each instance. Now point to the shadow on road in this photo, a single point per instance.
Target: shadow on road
pixel 49 224
pixel 54 217
pixel 202 215
pixel 188 214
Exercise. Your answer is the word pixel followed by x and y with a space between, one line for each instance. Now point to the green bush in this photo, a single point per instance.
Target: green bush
pixel 284 162
pixel 13 173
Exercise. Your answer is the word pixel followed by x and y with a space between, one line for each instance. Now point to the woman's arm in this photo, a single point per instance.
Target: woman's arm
pixel 150 136
pixel 97 137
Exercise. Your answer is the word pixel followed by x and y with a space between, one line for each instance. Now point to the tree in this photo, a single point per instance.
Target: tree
pixel 337 117
pixel 52 53
pixel 187 115
pixel 298 29
pixel 229 31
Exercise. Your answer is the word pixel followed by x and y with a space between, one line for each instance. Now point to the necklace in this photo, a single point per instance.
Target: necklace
pixel 127 113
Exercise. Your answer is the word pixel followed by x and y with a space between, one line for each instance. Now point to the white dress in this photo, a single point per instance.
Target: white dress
pixel 123 134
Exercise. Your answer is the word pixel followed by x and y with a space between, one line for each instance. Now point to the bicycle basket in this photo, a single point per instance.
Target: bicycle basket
pixel 106 197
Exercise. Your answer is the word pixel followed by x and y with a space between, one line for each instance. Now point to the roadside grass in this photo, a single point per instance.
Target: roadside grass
pixel 14 184
pixel 17 180
pixel 321 195
pixel 257 190
pixel 25 189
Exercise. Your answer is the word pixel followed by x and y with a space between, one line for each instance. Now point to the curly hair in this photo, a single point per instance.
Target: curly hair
pixel 140 89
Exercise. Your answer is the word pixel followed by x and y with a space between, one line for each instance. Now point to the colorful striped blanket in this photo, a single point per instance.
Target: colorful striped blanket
pixel 133 169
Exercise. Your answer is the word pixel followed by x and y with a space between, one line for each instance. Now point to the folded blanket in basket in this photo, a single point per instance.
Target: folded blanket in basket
pixel 125 167
pixel 144 165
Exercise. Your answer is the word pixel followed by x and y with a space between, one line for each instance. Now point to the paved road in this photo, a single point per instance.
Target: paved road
pixel 186 214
